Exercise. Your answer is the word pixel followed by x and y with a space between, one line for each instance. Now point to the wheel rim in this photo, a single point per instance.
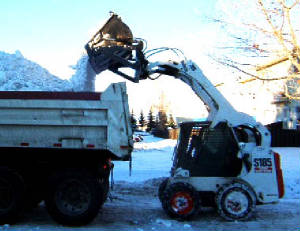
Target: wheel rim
pixel 182 203
pixel 6 195
pixel 236 202
pixel 73 197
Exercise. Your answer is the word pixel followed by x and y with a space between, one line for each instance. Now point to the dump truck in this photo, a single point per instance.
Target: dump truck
pixel 57 147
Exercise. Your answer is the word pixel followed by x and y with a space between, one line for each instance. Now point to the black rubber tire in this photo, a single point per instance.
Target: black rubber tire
pixel 105 185
pixel 74 197
pixel 161 188
pixel 12 196
pixel 181 201
pixel 235 202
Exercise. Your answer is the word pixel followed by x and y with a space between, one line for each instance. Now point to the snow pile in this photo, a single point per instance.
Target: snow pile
pixel 20 74
pixel 84 77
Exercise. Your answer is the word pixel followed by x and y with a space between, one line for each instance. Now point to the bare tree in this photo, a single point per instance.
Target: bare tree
pixel 264 36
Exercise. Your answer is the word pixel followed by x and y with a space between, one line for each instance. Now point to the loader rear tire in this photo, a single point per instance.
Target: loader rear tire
pixel 181 201
pixel 235 201
pixel 74 197
pixel 12 196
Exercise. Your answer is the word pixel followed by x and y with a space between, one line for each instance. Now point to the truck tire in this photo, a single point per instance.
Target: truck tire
pixel 12 196
pixel 105 185
pixel 161 188
pixel 181 201
pixel 74 197
pixel 235 201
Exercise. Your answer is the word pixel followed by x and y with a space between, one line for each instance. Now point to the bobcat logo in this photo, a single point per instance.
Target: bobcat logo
pixel 262 165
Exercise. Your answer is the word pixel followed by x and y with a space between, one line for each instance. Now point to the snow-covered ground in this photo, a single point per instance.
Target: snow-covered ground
pixel 152 158
pixel 290 163
pixel 134 204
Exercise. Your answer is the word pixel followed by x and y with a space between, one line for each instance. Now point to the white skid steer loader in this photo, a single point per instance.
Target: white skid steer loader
pixel 226 161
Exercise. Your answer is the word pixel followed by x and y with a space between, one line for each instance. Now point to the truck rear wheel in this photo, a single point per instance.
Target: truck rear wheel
pixel 236 201
pixel 181 201
pixel 105 186
pixel 12 195
pixel 74 197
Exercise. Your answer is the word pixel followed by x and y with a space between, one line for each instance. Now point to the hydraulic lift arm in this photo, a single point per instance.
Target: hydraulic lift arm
pixel 220 110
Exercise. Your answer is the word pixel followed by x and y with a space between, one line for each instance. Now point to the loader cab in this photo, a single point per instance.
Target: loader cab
pixel 207 152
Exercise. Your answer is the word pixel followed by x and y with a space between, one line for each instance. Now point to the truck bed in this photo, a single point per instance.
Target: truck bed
pixel 67 120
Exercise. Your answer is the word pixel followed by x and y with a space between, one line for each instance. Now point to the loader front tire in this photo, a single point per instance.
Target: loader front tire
pixel 161 188
pixel 181 201
pixel 74 197
pixel 236 201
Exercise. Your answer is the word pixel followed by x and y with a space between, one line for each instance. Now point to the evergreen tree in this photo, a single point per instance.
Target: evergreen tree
pixel 171 122
pixel 162 120
pixel 133 121
pixel 156 121
pixel 142 121
pixel 151 122
pixel 161 129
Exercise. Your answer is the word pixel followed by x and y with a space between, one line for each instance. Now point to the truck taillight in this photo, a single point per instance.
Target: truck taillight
pixel 280 183
pixel 57 145
pixel 90 145
pixel 125 147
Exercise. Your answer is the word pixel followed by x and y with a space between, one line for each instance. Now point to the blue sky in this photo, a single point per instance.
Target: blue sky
pixel 55 31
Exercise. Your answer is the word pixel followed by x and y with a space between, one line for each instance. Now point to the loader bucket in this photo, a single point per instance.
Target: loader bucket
pixel 114 38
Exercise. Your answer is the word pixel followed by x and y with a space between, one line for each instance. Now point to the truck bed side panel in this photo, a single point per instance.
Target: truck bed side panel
pixel 67 120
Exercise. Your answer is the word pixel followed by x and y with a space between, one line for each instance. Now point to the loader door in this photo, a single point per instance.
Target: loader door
pixel 207 152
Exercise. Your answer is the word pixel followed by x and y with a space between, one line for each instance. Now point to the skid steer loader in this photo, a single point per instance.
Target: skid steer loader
pixel 226 161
